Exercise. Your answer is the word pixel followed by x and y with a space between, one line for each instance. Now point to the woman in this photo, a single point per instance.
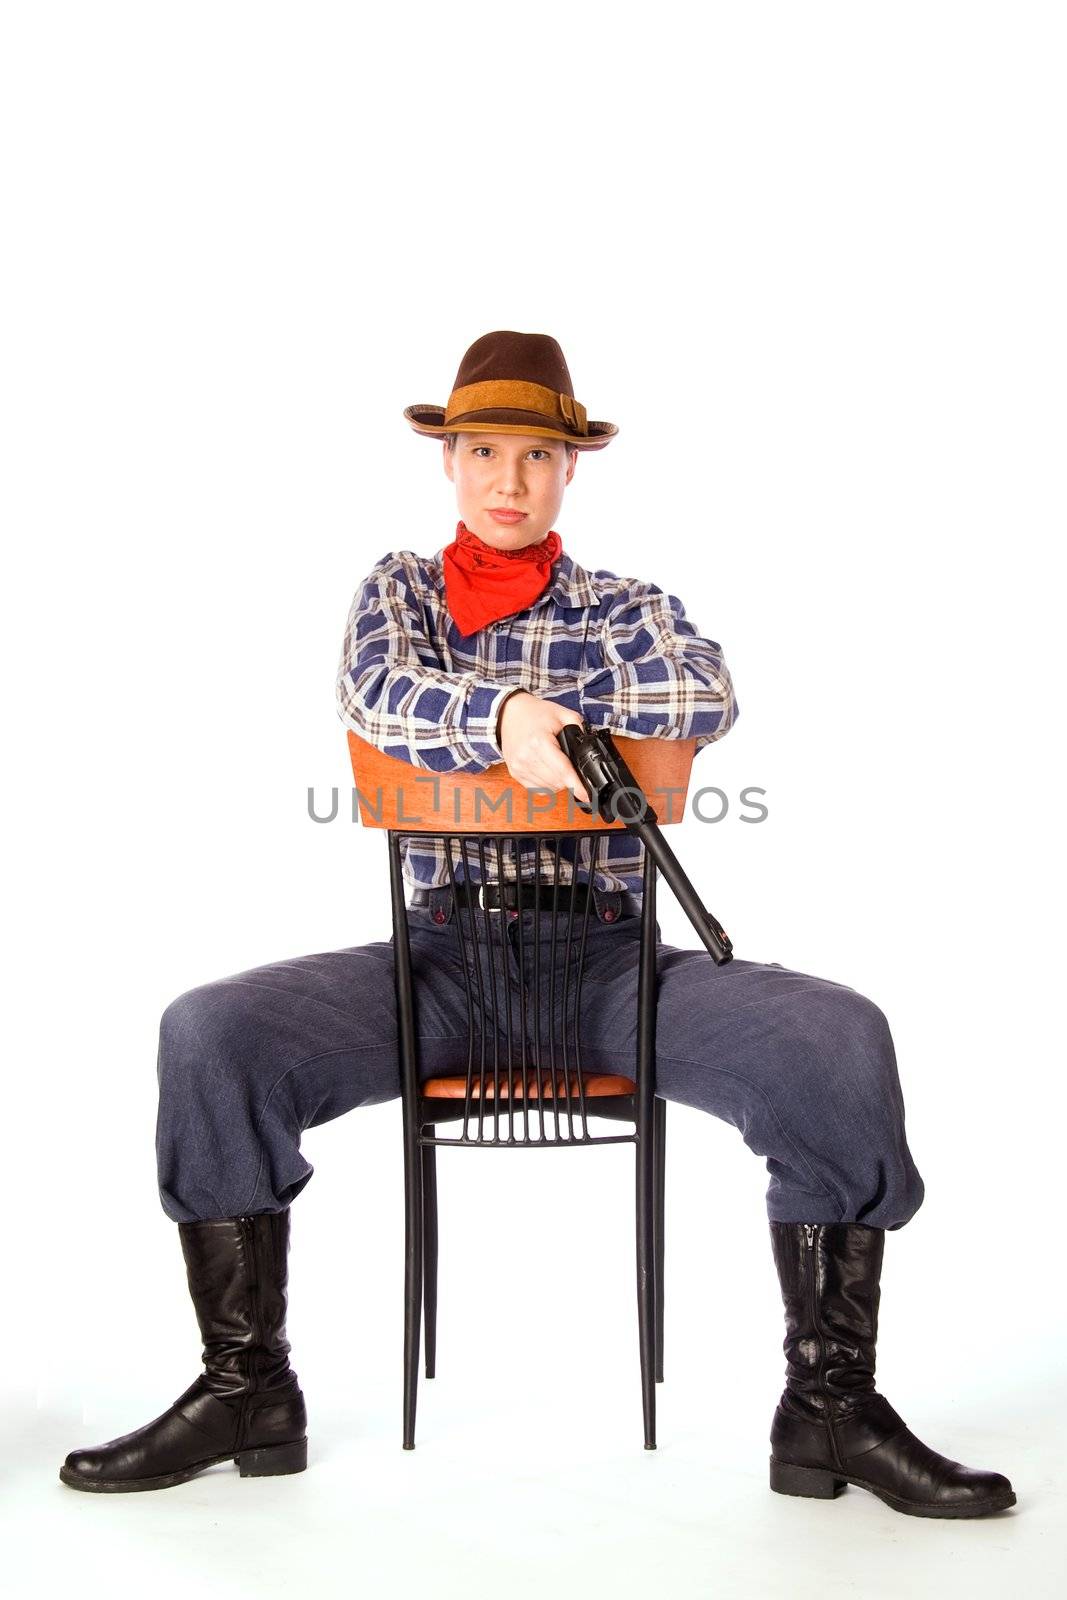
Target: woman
pixel 480 655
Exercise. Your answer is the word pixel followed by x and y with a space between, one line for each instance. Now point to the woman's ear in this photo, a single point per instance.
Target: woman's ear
pixel 571 465
pixel 447 459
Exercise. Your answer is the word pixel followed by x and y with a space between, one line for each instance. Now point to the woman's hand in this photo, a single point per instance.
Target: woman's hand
pixel 527 738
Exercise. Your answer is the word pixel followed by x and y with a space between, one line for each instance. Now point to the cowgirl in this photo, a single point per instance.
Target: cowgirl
pixel 479 655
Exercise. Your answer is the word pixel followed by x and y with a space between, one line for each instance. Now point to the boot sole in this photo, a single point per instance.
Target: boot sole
pixel 816 1483
pixel 265 1461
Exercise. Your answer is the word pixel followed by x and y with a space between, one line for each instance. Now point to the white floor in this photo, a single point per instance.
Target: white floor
pixel 533 1489
pixel 529 1475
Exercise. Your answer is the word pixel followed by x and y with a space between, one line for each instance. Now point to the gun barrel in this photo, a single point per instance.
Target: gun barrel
pixel 615 791
pixel 711 931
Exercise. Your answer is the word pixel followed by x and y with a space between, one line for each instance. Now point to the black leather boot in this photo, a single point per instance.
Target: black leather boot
pixel 246 1406
pixel 831 1427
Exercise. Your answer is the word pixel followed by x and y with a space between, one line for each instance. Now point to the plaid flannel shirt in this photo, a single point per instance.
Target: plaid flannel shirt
pixel 618 651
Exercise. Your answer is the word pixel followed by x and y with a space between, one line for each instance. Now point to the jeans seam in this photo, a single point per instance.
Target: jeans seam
pixel 320 1055
pixel 728 1073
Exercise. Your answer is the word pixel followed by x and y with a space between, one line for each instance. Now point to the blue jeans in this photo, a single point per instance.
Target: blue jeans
pixel 802 1066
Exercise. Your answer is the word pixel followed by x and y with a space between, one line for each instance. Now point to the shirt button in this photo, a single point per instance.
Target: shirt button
pixel 439 914
pixel 512 914
pixel 609 914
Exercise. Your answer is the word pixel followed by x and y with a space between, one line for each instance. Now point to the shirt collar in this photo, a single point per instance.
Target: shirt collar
pixel 570 584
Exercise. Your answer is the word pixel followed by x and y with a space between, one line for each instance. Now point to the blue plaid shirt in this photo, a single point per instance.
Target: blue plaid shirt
pixel 616 650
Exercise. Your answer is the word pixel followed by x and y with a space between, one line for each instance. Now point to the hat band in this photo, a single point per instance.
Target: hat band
pixel 512 394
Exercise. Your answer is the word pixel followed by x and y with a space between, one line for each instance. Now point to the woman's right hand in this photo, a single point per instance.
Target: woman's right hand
pixel 531 751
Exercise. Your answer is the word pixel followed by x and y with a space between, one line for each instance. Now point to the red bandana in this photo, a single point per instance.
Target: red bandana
pixel 483 584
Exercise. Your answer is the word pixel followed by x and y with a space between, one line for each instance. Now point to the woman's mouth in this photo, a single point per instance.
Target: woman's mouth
pixel 509 516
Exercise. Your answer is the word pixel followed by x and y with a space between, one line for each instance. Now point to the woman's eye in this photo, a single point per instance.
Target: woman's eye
pixel 478 449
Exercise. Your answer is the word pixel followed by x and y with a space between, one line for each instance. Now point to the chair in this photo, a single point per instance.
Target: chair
pixel 539 1094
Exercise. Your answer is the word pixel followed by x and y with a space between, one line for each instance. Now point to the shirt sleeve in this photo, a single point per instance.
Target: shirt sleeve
pixel 393 690
pixel 660 679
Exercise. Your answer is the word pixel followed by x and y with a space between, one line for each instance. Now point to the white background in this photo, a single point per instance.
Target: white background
pixel 810 259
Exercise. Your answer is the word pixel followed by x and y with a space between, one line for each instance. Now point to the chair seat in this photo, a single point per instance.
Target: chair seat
pixel 594 1083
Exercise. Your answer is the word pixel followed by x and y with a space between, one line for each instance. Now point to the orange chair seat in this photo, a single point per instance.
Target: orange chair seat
pixel 595 1083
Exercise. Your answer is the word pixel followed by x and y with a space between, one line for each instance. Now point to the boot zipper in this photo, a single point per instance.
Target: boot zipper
pixel 253 1285
pixel 810 1230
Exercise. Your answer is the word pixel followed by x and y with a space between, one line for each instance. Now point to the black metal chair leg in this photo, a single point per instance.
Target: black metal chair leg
pixel 646 1285
pixel 429 1275
pixel 413 1255
pixel 660 1142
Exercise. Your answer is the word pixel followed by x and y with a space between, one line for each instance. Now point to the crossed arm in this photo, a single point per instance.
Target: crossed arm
pixel 660 678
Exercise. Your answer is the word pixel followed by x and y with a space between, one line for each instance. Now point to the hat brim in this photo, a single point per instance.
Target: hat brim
pixel 430 420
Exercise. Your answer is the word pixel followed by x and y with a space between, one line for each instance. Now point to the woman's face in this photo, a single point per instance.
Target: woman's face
pixel 509 472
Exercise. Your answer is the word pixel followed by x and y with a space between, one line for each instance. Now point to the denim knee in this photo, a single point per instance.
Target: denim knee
pixel 205 1154
pixel 847 1107
pixel 188 1042
pixel 847 1042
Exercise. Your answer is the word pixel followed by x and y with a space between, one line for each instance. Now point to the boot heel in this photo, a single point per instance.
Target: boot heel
pixel 271 1460
pixel 813 1482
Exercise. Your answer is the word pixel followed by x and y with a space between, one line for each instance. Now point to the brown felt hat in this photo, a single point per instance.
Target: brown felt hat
pixel 513 383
